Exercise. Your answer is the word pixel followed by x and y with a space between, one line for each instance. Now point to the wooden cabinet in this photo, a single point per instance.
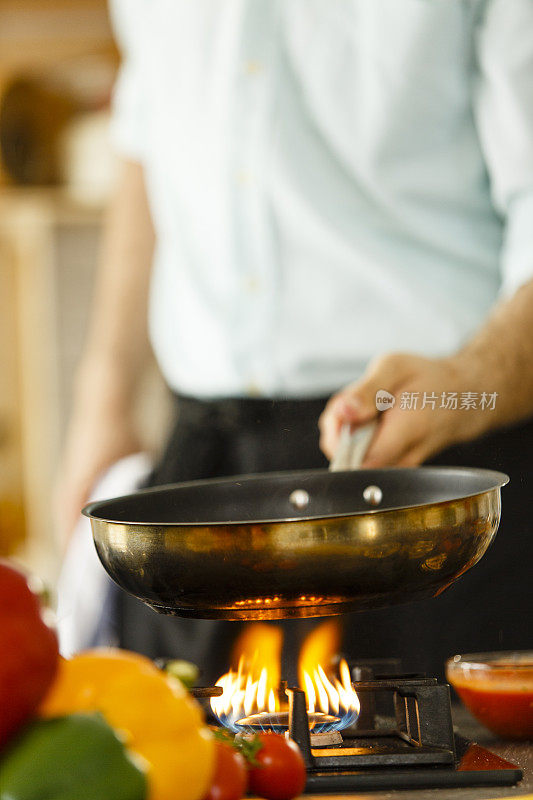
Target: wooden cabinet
pixel 12 525
pixel 48 253
pixel 42 33
pixel 48 249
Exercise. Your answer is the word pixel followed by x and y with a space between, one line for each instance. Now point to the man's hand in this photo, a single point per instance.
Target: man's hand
pixel 498 360
pixel 407 437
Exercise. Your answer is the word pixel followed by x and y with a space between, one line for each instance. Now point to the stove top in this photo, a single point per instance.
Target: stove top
pixel 403 738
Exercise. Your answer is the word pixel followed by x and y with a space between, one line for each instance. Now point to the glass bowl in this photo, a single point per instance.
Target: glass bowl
pixel 498 689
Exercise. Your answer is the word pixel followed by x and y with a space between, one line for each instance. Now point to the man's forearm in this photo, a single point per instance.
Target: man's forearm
pixel 117 341
pixel 499 358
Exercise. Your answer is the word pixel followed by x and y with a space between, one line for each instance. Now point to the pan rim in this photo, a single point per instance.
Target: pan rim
pixel 498 480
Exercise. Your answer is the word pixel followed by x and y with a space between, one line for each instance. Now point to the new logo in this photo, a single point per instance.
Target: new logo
pixel 384 400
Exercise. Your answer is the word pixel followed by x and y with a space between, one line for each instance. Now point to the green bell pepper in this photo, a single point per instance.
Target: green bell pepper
pixel 184 671
pixel 76 757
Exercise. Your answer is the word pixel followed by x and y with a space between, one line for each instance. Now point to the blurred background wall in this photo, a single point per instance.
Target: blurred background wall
pixel 57 67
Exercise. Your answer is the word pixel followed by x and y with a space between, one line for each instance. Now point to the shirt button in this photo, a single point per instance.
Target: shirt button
pixel 253 67
pixel 244 178
pixel 252 283
pixel 252 389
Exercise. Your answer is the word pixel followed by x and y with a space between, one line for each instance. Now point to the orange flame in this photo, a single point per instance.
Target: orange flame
pixel 252 687
pixel 320 647
pixel 259 644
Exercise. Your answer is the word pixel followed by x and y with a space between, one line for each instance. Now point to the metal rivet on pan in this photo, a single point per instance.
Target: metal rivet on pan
pixel 373 495
pixel 299 499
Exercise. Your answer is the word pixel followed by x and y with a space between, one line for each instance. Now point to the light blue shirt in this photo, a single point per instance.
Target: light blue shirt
pixel 329 179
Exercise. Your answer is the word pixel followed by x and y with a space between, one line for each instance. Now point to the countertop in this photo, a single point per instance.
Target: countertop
pixel 519 753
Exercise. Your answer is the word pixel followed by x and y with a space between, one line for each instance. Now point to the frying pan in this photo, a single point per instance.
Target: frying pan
pixel 298 544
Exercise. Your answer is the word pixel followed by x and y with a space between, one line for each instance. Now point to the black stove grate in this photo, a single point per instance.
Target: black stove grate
pixel 420 733
pixel 476 766
pixel 415 748
pixel 403 738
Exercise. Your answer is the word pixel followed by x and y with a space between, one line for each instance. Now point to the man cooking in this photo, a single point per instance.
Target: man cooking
pixel 323 197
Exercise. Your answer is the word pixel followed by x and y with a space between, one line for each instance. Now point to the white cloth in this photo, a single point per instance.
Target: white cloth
pixel 329 179
pixel 83 583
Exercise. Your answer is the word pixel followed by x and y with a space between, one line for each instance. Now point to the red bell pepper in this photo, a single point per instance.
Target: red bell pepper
pixel 28 651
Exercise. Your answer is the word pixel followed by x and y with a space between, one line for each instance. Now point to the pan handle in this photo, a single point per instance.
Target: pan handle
pixel 352 447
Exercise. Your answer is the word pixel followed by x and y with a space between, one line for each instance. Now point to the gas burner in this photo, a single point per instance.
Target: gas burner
pixel 402 738
pixel 251 702
pixel 278 722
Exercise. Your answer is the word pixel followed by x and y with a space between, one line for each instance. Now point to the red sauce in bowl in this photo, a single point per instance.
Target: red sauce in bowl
pixel 498 691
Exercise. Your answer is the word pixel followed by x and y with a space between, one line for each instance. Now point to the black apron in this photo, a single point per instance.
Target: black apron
pixel 487 609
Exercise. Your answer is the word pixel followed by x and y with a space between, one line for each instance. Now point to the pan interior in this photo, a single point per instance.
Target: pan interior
pixel 265 498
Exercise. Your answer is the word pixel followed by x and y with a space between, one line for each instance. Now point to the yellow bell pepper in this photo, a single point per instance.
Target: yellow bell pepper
pixel 152 712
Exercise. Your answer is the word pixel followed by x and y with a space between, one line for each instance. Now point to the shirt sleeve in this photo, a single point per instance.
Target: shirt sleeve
pixel 127 128
pixel 504 113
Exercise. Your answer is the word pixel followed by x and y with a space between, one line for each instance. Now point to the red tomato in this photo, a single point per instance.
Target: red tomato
pixel 280 774
pixel 29 652
pixel 231 778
